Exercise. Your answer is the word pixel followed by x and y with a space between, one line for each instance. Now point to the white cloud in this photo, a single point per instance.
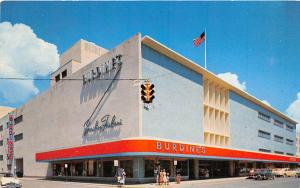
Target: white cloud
pixel 266 102
pixel 23 54
pixel 294 109
pixel 233 79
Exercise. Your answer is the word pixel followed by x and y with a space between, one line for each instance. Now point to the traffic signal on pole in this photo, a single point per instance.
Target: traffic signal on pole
pixel 147 92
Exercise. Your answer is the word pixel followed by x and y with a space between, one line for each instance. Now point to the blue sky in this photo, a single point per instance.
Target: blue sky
pixel 258 41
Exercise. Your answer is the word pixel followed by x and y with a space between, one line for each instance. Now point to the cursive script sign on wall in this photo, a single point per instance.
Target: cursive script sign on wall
pixel 106 122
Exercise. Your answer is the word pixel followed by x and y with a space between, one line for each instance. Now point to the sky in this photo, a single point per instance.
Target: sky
pixel 253 45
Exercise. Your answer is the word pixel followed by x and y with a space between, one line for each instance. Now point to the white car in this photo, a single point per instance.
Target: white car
pixel 8 181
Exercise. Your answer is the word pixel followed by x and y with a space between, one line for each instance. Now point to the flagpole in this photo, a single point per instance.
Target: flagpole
pixel 205 48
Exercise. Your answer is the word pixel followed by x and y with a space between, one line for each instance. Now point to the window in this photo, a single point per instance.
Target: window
pixel 127 165
pixel 1 157
pixel 290 154
pixel 182 168
pixel 278 152
pixel 1 142
pixel 149 168
pixel 264 134
pixel 278 138
pixel 18 119
pixel 64 74
pixel 264 150
pixel 289 128
pixel 90 167
pixel 1 128
pixel 18 137
pixel 57 78
pixel 289 142
pixel 278 123
pixel 108 169
pixel 264 116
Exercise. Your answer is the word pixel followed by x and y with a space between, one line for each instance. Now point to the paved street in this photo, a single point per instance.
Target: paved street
pixel 218 183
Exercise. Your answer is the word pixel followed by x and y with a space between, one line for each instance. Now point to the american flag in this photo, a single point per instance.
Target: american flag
pixel 199 40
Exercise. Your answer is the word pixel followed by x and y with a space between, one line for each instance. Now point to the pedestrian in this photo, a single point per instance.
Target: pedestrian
pixel 164 177
pixel 168 178
pixel 156 174
pixel 118 174
pixel 161 177
pixel 123 177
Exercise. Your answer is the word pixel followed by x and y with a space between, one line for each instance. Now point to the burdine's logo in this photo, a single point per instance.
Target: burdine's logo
pixel 106 122
pixel 103 69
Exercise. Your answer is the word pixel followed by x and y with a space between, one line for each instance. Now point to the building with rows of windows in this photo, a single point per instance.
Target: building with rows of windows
pixel 92 119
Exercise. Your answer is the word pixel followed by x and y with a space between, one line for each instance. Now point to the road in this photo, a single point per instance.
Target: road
pixel 226 183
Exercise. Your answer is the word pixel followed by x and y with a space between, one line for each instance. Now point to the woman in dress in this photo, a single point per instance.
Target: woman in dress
pixel 161 178
pixel 164 177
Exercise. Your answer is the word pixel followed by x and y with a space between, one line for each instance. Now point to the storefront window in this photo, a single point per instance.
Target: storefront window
pixel 90 168
pixel 128 167
pixel 67 169
pixel 165 164
pixel 149 168
pixel 108 169
pixel 182 168
pixel 57 170
pixel 100 168
pixel 78 169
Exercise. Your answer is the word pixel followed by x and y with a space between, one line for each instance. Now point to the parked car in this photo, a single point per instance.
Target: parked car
pixel 263 174
pixel 8 181
pixel 291 173
pixel 251 174
pixel 280 172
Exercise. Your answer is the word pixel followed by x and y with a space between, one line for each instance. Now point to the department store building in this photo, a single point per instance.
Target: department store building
pixel 92 119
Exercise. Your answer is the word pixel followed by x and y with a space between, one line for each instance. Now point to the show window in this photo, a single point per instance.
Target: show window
pixel 109 170
pixel 182 168
pixel 77 169
pixel 90 168
pixel 149 168
pixel 127 165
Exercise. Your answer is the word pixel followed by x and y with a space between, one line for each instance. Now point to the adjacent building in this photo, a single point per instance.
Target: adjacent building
pixel 298 144
pixel 92 119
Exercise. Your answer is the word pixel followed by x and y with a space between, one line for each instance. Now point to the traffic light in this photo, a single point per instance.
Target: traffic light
pixel 147 92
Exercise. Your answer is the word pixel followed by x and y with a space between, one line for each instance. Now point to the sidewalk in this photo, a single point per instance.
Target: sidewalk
pixel 191 182
pixel 172 184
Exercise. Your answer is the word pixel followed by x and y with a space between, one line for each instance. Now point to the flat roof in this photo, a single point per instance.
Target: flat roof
pixel 148 41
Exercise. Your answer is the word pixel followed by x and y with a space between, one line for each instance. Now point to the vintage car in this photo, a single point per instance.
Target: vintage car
pixel 8 181
pixel 280 172
pixel 291 173
pixel 263 174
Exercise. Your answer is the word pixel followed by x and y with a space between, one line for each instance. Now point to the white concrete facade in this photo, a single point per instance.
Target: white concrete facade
pixel 58 118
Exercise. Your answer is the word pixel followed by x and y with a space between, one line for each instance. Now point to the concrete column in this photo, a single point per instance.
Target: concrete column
pixel 138 167
pixel 231 168
pixel 254 165
pixel 196 168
